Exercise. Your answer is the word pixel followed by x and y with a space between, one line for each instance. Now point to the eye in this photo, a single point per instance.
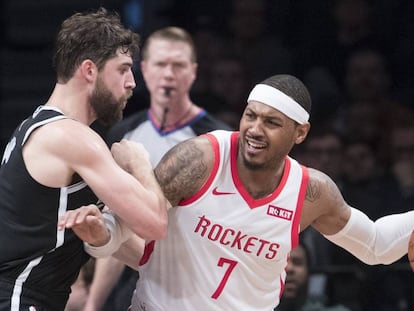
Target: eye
pixel 273 123
pixel 160 64
pixel 249 116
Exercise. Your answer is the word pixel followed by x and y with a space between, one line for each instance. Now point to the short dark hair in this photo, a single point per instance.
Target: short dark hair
pixel 174 34
pixel 97 36
pixel 292 87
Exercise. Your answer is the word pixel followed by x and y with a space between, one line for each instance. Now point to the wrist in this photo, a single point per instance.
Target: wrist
pixel 118 234
pixel 103 241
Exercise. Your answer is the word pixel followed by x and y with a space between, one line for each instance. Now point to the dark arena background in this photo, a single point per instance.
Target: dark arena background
pixel 356 58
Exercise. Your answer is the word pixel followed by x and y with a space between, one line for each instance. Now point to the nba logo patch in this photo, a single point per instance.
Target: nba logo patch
pixel 32 308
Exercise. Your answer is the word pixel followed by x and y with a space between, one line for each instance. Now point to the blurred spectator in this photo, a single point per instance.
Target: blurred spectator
pixel 80 289
pixel 322 150
pixel 295 295
pixel 367 76
pixel 377 191
pixel 346 25
pixel 368 82
pixel 368 186
pixel 401 27
pixel 210 47
pixel 365 181
pixel 229 82
pixel 362 121
pixel 402 161
pixel 337 28
pixel 262 50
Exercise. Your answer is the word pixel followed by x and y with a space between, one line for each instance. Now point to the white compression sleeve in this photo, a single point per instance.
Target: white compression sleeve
pixel 119 234
pixel 381 242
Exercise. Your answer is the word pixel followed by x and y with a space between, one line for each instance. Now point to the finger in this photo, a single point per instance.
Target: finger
pixel 411 251
pixel 67 220
pixel 85 211
pixel 76 216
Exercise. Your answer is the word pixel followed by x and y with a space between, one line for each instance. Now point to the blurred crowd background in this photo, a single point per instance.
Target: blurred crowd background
pixel 355 57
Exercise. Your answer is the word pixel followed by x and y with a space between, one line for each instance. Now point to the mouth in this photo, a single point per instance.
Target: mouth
pixel 255 145
pixel 167 90
pixel 124 103
pixel 291 286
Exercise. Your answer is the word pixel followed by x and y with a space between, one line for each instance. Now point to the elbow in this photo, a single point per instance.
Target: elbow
pixel 153 226
pixel 380 259
pixel 157 230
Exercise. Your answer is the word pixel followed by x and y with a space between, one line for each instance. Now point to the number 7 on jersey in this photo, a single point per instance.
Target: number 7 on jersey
pixel 231 265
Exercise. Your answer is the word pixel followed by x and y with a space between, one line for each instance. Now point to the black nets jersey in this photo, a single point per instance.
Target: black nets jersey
pixel 34 254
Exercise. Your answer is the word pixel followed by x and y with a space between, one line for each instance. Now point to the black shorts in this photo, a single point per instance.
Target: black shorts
pixel 29 299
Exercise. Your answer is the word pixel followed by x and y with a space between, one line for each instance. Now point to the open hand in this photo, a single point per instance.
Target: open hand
pixel 88 224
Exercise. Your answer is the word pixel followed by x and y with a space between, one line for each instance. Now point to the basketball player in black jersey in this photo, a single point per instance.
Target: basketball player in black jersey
pixel 55 162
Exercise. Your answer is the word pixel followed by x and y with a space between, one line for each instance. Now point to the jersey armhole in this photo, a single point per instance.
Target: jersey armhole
pixel 299 207
pixel 213 173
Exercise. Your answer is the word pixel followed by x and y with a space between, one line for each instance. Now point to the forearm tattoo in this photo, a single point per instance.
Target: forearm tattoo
pixel 181 171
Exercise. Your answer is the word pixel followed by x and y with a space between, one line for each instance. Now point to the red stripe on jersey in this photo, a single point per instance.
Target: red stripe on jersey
pixel 149 248
pixel 299 206
pixel 213 173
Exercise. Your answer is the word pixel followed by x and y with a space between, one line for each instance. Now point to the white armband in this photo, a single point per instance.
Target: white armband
pixel 381 242
pixel 119 233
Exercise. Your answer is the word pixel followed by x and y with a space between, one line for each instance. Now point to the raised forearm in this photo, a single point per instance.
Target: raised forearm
pixel 381 242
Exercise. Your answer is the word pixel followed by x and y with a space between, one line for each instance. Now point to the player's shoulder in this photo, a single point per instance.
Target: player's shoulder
pixel 317 175
pixel 70 135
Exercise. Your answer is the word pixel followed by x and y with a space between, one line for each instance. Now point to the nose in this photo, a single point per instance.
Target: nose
pixel 289 267
pixel 168 71
pixel 130 81
pixel 256 127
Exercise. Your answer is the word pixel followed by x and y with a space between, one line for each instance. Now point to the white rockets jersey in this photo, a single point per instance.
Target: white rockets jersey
pixel 224 250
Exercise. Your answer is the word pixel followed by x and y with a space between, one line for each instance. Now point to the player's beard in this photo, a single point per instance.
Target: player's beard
pixel 108 109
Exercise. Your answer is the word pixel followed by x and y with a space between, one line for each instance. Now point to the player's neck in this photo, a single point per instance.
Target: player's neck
pixel 260 183
pixel 71 105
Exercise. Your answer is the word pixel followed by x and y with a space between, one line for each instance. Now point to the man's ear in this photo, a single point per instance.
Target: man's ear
pixel 88 70
pixel 302 131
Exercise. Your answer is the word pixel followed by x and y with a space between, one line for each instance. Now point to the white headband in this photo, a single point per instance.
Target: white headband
pixel 274 98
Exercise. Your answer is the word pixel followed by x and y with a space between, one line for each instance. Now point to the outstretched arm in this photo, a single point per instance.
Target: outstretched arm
pixel 381 242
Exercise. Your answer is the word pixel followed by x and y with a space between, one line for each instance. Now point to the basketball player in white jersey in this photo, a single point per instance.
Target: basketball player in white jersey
pixel 239 203
pixel 169 67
